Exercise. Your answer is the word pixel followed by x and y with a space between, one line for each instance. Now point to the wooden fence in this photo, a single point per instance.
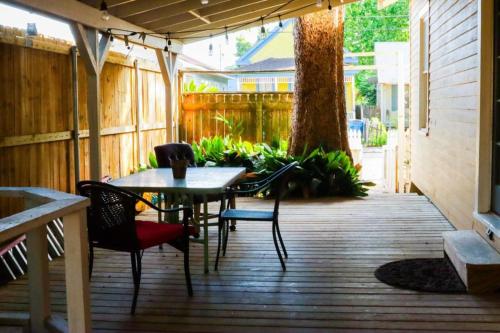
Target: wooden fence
pixel 265 116
pixel 36 115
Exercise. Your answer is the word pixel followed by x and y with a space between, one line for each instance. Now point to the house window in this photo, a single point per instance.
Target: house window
pixel 423 111
pixel 495 195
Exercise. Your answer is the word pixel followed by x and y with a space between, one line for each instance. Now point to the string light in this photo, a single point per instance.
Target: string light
pixel 262 28
pixel 111 38
pixel 210 47
pixel 281 23
pixel 218 31
pixel 104 11
pixel 329 5
pixel 227 36
pixel 126 42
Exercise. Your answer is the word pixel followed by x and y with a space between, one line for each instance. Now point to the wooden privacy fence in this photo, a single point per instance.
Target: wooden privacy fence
pixel 265 116
pixel 36 114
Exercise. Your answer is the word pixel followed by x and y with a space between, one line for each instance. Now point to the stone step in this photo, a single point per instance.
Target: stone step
pixel 477 263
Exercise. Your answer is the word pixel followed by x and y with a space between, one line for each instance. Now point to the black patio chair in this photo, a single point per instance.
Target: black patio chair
pixel 277 182
pixel 112 225
pixel 175 151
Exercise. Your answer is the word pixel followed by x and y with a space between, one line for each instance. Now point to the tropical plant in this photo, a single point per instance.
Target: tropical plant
pixel 191 86
pixel 235 128
pixel 320 173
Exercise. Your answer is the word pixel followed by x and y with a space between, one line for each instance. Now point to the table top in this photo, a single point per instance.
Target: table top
pixel 202 180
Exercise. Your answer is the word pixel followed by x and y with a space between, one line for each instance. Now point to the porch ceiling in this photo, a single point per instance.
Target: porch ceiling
pixel 185 16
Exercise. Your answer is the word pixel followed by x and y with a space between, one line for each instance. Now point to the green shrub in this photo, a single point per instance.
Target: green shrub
pixel 320 173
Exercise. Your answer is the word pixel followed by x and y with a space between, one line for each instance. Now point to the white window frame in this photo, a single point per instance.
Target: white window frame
pixel 423 77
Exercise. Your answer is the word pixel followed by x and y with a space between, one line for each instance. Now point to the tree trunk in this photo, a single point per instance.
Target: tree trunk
pixel 319 112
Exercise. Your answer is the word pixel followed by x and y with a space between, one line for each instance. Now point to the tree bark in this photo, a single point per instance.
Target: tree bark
pixel 319 113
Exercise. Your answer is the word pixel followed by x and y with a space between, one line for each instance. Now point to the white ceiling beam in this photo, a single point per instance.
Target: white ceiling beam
pixel 198 16
pixel 78 12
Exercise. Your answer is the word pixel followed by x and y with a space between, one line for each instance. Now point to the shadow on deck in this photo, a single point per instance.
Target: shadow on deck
pixel 334 246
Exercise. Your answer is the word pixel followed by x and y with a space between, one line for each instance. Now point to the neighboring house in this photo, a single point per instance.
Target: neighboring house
pixel 455 110
pixel 219 81
pixel 388 56
pixel 275 54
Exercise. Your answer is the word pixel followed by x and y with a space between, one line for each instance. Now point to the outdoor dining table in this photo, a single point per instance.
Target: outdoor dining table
pixel 202 181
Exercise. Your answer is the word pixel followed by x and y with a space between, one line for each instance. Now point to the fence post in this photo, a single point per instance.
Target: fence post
pixel 258 119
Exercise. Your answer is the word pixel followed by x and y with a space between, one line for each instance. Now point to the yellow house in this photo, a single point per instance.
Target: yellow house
pixel 270 65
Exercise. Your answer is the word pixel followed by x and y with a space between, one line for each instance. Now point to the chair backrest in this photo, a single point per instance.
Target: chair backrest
pixel 174 151
pixel 110 216
pixel 281 177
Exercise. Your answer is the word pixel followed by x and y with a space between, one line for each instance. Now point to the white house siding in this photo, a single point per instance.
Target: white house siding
pixel 443 162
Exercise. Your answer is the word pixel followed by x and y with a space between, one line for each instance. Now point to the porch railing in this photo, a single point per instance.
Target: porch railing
pixel 42 206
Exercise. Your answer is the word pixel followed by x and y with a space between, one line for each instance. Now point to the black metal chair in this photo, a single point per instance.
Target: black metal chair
pixel 278 182
pixel 112 225
pixel 174 151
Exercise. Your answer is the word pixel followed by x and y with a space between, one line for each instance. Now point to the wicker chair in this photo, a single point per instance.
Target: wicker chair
pixel 112 225
pixel 279 178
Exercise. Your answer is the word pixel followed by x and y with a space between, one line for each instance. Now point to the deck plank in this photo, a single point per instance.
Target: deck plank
pixel 334 247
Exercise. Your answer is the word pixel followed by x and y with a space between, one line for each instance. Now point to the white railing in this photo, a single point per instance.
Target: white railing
pixel 41 207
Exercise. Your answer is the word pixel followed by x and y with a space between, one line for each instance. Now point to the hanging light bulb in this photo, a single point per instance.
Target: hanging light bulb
pixel 227 36
pixel 111 38
pixel 169 42
pixel 262 28
pixel 126 42
pixel 330 5
pixel 319 3
pixel 281 23
pixel 204 2
pixel 210 47
pixel 104 11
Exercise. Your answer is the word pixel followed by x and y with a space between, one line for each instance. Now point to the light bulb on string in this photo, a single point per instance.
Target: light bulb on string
pixel 126 42
pixel 329 5
pixel 262 28
pixel 227 36
pixel 281 23
pixel 104 11
pixel 210 47
pixel 111 38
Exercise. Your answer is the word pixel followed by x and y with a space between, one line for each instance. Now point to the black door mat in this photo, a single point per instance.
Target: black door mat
pixel 432 275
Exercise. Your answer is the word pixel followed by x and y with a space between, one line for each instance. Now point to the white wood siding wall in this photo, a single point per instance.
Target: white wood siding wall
pixel 443 162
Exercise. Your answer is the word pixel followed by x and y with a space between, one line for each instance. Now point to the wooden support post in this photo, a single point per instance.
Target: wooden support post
pixel 93 52
pixel 38 278
pixel 168 67
pixel 77 276
pixel 76 126
pixel 138 110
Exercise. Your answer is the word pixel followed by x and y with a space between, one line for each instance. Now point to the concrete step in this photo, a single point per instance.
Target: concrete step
pixel 477 263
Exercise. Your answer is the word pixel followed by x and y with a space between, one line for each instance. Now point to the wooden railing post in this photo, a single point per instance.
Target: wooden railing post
pixel 77 276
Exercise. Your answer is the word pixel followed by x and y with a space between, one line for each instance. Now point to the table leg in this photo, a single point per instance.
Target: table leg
pixel 38 278
pixel 232 205
pixel 205 232
pixel 77 276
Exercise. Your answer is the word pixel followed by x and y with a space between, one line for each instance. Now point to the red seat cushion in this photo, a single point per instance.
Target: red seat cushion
pixel 151 233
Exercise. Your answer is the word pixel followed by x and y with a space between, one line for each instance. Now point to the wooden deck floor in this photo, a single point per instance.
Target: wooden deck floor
pixel 334 248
